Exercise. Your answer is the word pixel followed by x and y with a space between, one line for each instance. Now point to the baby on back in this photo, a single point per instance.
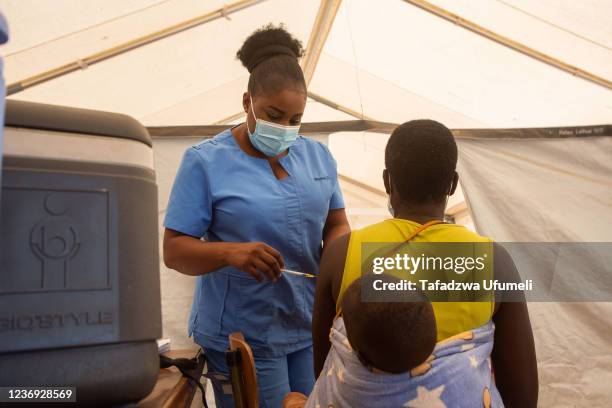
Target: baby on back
pixel 373 341
pixel 390 337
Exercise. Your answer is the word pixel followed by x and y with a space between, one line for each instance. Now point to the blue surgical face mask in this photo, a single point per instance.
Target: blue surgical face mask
pixel 389 206
pixel 270 138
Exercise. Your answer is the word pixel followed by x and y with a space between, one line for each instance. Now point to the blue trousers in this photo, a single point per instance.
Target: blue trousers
pixel 276 376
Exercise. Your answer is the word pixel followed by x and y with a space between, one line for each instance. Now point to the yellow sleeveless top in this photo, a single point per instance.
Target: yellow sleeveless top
pixel 451 317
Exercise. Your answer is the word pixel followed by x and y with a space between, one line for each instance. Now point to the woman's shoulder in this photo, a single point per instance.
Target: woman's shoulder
pixel 216 147
pixel 461 233
pixel 219 141
pixel 377 230
pixel 209 154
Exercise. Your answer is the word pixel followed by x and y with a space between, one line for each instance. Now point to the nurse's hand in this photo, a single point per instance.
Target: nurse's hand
pixel 256 258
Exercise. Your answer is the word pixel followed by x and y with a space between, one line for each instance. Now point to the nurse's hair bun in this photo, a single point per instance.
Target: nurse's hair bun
pixel 267 42
pixel 271 55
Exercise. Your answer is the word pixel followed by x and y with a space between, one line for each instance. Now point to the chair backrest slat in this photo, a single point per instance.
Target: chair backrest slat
pixel 247 377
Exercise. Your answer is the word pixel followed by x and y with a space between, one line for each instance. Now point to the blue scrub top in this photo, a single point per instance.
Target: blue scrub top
pixel 223 194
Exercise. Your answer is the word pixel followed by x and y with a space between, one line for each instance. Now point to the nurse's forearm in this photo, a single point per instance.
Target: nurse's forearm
pixel 193 257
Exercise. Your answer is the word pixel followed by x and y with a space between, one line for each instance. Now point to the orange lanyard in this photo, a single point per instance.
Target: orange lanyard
pixel 414 234
pixel 422 228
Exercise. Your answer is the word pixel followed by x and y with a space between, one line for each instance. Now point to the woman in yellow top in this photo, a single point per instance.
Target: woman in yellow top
pixel 420 160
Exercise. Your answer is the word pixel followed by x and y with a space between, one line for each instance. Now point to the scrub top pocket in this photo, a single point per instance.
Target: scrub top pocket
pixel 254 307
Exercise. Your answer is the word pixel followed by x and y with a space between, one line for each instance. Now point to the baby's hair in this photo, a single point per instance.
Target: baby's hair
pixel 272 55
pixel 391 336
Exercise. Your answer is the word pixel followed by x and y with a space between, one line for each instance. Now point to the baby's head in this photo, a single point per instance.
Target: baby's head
pixel 393 337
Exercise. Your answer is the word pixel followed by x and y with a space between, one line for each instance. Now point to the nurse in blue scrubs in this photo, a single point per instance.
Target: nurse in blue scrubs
pixel 251 201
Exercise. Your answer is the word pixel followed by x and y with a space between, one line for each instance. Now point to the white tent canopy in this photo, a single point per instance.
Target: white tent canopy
pixel 394 59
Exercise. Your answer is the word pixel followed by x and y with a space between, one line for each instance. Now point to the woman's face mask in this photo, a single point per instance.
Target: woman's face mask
pixel 389 206
pixel 270 138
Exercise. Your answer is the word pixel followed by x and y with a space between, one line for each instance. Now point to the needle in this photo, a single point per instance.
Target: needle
pixel 306 275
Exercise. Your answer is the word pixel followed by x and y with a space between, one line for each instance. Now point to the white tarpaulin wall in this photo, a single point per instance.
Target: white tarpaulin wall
pixel 551 190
